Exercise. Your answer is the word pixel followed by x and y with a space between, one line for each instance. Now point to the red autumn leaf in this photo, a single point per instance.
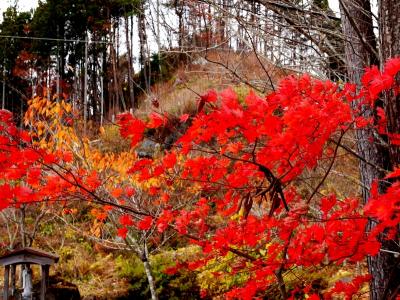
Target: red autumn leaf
pixel 182 222
pixel 129 192
pixel 156 121
pixel 122 232
pixel 131 127
pixel 394 138
pixel 67 156
pixel 145 223
pixel 183 118
pixel 327 203
pixel 49 159
pixel 92 181
pixel 126 220
pixel 210 97
pixel 169 160
pixel 23 194
pixel 164 220
pixel 25 136
pixel 153 190
pixel 394 174
pixel 171 270
pixel 392 67
pixel 108 208
pixel 116 193
pixel 33 176
pixel 165 197
pixel 140 165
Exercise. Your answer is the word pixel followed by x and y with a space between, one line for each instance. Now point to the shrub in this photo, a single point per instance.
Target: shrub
pixel 181 285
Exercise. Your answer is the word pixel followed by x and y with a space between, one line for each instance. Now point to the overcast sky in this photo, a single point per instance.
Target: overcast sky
pixel 23 5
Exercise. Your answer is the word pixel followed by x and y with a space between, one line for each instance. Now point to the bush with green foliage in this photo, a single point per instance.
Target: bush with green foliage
pixel 181 285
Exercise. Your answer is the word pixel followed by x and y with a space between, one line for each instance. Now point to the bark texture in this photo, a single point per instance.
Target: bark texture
pixel 150 278
pixel 389 27
pixel 389 34
pixel 361 51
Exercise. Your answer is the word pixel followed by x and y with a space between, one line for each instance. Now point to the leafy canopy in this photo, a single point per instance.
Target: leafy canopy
pixel 230 184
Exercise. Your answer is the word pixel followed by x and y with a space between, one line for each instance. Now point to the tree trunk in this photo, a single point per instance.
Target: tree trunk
pixel 150 278
pixel 114 58
pixel 22 225
pixel 129 53
pixel 143 43
pixel 104 85
pixel 179 12
pixel 358 56
pixel 361 51
pixel 144 257
pixel 389 29
pixel 143 253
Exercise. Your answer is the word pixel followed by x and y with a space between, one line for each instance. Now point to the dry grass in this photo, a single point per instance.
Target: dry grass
pixel 215 70
pixel 94 272
pixel 104 280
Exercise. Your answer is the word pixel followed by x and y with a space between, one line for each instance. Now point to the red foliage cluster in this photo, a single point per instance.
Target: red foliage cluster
pixel 30 175
pixel 235 154
pixel 238 152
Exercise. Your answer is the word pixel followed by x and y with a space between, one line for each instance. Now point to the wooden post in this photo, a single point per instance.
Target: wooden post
pixel 6 279
pixel 45 276
pixel 21 280
pixel 13 269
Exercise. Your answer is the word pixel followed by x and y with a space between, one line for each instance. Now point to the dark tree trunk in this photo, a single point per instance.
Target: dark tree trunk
pixel 389 29
pixel 361 51
pixel 144 59
pixel 129 58
pixel 222 22
pixel 94 83
pixel 389 25
pixel 106 81
pixel 181 30
pixel 358 56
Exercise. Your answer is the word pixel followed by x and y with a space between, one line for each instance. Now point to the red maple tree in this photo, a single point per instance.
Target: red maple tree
pixel 242 159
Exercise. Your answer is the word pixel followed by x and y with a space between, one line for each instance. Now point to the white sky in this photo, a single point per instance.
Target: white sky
pixel 23 5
